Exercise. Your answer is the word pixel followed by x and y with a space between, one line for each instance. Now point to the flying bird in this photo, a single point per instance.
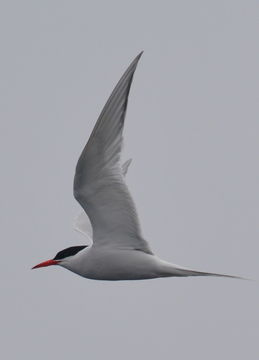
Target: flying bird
pixel 118 250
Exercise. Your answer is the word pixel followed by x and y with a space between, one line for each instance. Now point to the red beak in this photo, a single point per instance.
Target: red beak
pixel 46 263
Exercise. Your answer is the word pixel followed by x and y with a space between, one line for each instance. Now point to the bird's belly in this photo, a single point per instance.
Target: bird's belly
pixel 100 264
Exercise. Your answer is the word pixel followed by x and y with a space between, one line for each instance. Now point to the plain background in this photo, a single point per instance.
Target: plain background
pixel 192 131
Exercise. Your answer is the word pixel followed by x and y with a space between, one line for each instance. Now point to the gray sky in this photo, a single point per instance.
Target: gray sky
pixel 192 131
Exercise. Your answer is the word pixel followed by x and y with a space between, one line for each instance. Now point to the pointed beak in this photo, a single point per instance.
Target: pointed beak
pixel 46 263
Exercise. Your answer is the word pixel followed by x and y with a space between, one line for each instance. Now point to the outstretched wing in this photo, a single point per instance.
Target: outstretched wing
pixel 99 184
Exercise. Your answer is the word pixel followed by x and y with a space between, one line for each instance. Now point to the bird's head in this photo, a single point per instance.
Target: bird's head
pixel 61 256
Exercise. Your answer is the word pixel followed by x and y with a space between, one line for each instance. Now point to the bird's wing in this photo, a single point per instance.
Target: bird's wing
pixel 99 184
pixel 82 223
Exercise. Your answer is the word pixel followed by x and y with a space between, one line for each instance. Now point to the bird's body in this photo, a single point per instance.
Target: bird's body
pixel 119 251
pixel 104 263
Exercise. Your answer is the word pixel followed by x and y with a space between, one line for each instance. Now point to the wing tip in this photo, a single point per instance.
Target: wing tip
pixel 136 60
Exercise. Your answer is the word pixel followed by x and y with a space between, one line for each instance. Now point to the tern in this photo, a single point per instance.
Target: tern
pixel 118 250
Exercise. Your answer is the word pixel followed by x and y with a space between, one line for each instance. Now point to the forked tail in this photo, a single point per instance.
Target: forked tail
pixel 174 270
pixel 186 272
